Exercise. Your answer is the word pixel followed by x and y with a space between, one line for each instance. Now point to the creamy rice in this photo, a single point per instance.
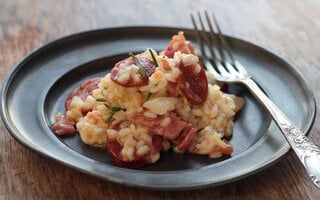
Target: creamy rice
pixel 113 108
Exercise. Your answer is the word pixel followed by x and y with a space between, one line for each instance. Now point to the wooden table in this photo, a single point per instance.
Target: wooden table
pixel 288 28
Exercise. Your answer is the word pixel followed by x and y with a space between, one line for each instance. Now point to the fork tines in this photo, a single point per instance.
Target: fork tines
pixel 214 42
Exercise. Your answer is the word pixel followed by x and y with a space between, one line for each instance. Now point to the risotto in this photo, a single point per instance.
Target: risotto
pixel 152 102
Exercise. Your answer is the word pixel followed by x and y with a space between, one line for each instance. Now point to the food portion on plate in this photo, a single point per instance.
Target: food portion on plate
pixel 151 103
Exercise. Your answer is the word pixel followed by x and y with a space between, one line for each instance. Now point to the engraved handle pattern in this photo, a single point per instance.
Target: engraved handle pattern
pixel 307 152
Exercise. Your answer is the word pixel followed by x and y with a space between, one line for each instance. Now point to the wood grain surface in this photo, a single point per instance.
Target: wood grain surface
pixel 288 28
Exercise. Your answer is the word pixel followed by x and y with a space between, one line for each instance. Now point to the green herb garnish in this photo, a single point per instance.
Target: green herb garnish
pixel 200 129
pixel 148 96
pixel 153 58
pixel 110 116
pixel 113 110
pixel 142 69
pixel 101 100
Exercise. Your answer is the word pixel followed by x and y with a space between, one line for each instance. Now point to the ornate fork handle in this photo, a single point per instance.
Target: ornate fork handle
pixel 307 152
pixel 233 72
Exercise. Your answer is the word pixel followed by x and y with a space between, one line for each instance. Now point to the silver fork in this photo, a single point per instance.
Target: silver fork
pixel 233 72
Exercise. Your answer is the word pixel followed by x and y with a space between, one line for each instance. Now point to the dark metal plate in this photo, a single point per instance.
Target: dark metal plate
pixel 35 90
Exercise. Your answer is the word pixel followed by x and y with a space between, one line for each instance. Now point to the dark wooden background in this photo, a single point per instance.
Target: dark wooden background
pixel 288 28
